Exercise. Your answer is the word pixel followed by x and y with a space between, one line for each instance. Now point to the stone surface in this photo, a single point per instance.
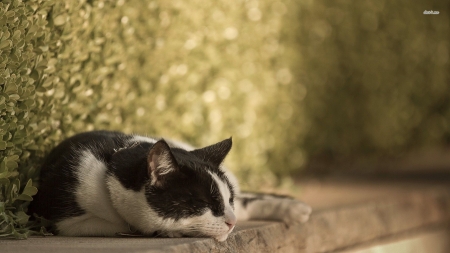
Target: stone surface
pixel 378 211
pixel 434 240
pixel 346 226
pixel 249 237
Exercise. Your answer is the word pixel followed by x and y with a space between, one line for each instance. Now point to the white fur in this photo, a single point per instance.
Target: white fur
pixel 92 195
pixel 223 188
pixel 89 225
pixel 138 138
pixel 229 215
pixel 232 178
pixel 133 207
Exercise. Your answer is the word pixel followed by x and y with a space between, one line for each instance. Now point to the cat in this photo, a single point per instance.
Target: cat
pixel 104 183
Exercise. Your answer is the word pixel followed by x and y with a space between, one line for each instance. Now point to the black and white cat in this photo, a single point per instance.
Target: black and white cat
pixel 105 183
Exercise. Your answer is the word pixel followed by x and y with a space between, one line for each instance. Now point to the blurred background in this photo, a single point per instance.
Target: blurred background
pixel 377 76
pixel 303 87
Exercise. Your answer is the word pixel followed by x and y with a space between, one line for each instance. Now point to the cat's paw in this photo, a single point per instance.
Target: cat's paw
pixel 295 212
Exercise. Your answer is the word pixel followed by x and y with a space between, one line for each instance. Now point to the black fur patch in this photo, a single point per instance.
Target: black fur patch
pixel 129 165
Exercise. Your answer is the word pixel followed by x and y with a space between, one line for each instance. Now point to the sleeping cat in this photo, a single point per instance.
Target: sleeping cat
pixel 105 183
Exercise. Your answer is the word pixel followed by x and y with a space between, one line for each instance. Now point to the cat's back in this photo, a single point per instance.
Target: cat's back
pixel 101 143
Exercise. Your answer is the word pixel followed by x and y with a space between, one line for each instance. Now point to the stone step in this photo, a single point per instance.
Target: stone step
pixel 331 228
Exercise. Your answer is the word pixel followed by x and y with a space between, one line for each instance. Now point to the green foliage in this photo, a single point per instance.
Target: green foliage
pixel 24 130
pixel 13 219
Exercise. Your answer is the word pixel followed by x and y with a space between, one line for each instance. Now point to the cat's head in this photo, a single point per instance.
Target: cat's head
pixel 189 191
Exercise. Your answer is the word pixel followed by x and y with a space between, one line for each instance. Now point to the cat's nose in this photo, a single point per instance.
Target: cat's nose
pixel 230 219
pixel 230 224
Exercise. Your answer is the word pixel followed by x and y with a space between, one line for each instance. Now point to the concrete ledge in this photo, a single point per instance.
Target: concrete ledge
pixel 339 228
pixel 432 239
pixel 329 229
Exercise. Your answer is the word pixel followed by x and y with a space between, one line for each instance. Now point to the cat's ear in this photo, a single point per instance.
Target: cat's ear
pixel 215 153
pixel 161 162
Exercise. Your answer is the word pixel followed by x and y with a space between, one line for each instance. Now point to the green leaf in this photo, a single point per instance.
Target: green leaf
pixel 12 158
pixel 17 34
pixel 11 165
pixel 3 165
pixel 8 174
pixel 5 44
pixel 14 97
pixel 3 145
pixel 7 136
pixel 60 20
pixel 24 197
pixel 22 218
pixel 11 88
pixel 29 189
pixel 25 155
pixel 43 231
pixel 19 235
